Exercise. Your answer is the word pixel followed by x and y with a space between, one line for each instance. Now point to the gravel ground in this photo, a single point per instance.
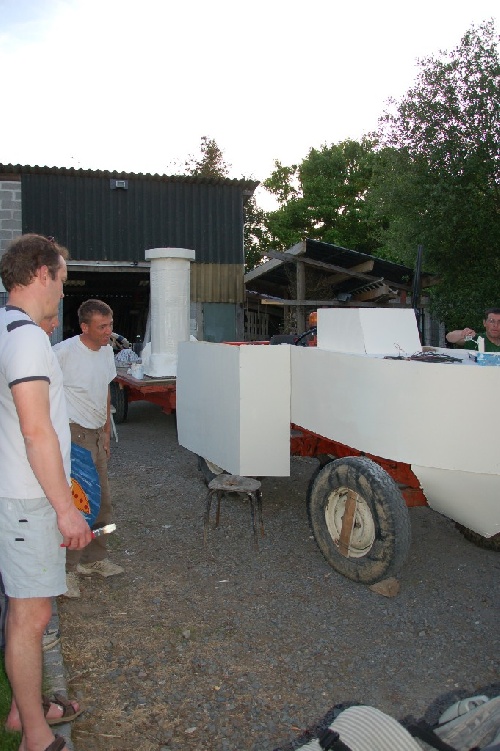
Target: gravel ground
pixel 227 648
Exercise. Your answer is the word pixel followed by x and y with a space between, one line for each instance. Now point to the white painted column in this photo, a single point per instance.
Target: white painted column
pixel 170 301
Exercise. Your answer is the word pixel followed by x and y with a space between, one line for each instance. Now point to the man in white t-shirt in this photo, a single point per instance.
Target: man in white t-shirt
pixel 88 367
pixel 38 518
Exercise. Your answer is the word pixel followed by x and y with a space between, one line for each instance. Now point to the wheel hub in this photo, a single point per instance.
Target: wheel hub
pixel 362 535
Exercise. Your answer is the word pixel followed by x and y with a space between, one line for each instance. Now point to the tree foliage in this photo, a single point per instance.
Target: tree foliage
pixel 210 162
pixel 324 198
pixel 256 235
pixel 437 176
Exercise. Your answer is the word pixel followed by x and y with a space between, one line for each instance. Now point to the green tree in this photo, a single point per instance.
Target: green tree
pixel 255 233
pixel 210 162
pixel 437 175
pixel 324 198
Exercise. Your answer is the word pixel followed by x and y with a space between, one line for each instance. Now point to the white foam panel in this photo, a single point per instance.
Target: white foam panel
pixel 233 406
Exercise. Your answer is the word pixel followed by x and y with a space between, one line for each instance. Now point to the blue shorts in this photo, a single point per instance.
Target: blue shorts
pixel 32 560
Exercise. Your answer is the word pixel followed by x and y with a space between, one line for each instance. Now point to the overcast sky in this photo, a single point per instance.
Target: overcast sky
pixel 132 86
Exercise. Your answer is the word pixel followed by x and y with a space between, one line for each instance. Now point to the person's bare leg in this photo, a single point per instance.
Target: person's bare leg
pixel 26 622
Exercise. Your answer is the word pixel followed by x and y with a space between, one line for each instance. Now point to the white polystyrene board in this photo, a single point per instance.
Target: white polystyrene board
pixel 428 414
pixel 233 406
pixel 161 365
pixel 265 410
pixel 185 253
pixel 340 330
pixel 207 402
pixel 368 331
pixel 466 497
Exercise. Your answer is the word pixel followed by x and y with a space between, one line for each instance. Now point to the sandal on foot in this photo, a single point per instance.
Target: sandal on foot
pixel 68 711
pixel 58 744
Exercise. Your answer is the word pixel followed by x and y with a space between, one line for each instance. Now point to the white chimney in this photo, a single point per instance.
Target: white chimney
pixel 170 305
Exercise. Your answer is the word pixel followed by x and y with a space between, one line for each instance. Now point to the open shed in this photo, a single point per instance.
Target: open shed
pixel 313 274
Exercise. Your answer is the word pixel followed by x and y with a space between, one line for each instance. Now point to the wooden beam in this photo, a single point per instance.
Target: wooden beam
pixel 301 293
pixel 286 258
pixel 258 271
pixel 332 267
pixel 381 290
pixel 334 304
pixel 348 519
pixel 359 267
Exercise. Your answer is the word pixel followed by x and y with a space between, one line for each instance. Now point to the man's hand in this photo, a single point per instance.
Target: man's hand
pixel 460 336
pixel 74 529
pixel 468 333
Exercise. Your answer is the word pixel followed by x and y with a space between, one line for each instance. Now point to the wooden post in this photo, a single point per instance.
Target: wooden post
pixel 301 295
pixel 348 520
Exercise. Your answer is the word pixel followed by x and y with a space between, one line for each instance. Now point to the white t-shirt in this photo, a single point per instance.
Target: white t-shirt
pixel 26 355
pixel 87 374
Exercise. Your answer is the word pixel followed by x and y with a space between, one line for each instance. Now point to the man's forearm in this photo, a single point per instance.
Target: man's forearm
pixel 459 335
pixel 44 456
pixel 454 337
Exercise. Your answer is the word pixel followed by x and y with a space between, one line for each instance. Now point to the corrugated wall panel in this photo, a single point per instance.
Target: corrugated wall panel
pixel 97 223
pixel 217 282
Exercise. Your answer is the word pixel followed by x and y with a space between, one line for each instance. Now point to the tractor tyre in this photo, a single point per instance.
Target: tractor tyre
pixel 119 401
pixel 376 545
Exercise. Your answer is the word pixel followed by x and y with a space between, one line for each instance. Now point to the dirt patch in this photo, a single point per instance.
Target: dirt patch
pixel 227 648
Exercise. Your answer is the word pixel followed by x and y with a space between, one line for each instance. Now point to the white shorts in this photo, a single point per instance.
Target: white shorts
pixel 32 561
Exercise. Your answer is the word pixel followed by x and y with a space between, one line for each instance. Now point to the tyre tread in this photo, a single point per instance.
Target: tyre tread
pixel 119 401
pixel 390 549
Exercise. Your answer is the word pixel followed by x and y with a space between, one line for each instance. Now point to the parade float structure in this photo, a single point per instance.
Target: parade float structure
pixel 392 425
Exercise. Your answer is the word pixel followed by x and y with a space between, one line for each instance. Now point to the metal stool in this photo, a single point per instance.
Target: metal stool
pixel 235 484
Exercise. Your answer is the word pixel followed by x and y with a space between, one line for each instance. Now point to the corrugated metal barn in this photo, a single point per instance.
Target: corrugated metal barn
pixel 107 220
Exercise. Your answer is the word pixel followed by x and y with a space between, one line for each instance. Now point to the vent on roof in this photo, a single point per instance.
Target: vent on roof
pixel 118 184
